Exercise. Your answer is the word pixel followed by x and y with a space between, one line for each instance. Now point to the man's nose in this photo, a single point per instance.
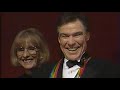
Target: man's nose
pixel 71 41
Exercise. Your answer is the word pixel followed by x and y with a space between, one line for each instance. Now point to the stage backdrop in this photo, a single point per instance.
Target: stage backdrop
pixel 104 41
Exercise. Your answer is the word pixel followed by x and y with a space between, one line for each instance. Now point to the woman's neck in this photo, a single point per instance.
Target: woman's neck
pixel 28 72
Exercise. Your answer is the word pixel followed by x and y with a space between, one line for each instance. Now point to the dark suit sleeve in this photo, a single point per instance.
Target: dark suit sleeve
pixel 98 68
pixel 116 71
pixel 110 70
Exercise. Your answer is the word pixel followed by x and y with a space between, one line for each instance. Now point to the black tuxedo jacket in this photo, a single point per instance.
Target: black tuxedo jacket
pixel 95 68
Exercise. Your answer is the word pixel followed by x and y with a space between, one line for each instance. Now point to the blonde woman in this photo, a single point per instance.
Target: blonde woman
pixel 29 50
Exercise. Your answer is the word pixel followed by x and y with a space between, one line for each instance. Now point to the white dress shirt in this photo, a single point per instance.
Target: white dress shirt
pixel 69 72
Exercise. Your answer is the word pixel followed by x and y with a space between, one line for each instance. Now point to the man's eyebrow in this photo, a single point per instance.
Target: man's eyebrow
pixel 78 33
pixel 63 34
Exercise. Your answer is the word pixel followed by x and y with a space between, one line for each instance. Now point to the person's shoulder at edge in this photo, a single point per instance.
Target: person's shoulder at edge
pixel 109 68
pixel 44 70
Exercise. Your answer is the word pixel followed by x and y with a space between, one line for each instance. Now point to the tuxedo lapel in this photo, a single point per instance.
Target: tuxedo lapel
pixel 59 74
pixel 89 71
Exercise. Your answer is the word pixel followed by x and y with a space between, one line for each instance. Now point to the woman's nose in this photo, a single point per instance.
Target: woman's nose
pixel 25 53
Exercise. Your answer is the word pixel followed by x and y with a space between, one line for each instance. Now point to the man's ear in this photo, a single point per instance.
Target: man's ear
pixel 87 36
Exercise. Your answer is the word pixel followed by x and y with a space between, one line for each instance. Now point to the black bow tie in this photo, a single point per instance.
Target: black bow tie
pixel 71 63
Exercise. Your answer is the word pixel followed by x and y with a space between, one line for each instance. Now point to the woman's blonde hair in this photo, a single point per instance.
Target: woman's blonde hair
pixel 36 38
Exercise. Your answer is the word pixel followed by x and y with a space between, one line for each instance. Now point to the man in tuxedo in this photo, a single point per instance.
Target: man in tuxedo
pixel 73 34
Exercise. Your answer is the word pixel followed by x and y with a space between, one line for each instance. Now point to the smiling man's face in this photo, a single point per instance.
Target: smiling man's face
pixel 72 39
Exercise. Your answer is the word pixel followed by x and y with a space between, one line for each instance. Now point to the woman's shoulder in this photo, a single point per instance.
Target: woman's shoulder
pixel 44 70
pixel 25 76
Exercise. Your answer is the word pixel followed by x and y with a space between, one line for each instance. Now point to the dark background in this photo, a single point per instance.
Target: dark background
pixel 104 41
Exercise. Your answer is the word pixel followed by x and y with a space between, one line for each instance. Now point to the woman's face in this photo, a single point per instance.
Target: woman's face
pixel 27 54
